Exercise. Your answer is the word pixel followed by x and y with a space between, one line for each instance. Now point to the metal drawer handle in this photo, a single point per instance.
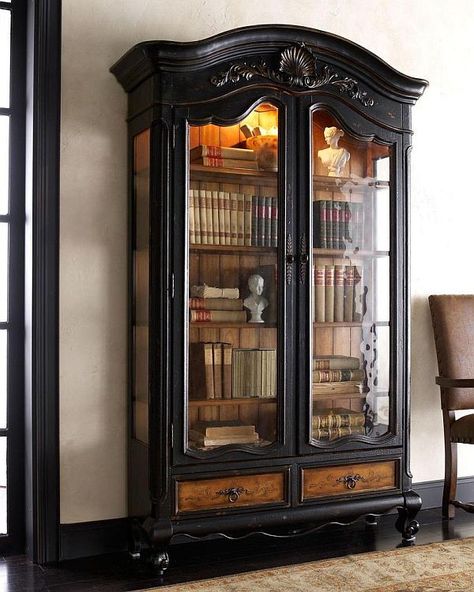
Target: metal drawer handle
pixel 350 481
pixel 232 493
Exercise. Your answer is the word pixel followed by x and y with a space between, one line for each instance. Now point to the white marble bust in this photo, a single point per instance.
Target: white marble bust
pixel 333 158
pixel 255 302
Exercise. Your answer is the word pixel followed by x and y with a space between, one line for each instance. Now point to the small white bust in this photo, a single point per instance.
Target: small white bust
pixel 334 158
pixel 255 302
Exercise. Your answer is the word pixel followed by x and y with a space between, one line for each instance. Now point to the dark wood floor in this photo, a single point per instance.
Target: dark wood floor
pixel 119 573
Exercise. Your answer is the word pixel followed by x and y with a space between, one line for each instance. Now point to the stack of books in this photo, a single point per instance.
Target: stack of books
pixel 329 424
pixel 337 293
pixel 210 370
pixel 338 224
pixel 224 157
pixel 337 375
pixel 231 218
pixel 254 373
pixel 221 433
pixel 205 306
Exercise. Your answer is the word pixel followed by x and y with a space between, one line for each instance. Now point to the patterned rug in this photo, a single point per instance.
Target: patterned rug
pixel 440 567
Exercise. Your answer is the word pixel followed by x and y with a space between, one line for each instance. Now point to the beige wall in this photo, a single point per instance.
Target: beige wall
pixel 431 39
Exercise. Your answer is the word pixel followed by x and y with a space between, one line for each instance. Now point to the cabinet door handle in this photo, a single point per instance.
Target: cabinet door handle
pixel 232 493
pixel 350 481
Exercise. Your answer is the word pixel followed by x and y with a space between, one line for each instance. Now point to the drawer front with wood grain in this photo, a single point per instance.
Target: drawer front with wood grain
pixel 234 491
pixel 348 479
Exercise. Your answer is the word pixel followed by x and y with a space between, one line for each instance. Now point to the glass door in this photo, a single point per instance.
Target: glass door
pixel 350 298
pixel 233 301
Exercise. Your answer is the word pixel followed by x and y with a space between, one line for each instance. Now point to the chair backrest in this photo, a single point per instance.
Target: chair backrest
pixel 453 327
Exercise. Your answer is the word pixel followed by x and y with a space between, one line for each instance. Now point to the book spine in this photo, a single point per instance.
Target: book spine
pixel 321 221
pixel 261 222
pixel 217 359
pixel 349 293
pixel 337 375
pixel 215 217
pixel 274 232
pixel 209 370
pixel 221 216
pixel 227 217
pixel 346 237
pixel 233 218
pixel 336 363
pixel 339 293
pixel 338 420
pixel 254 221
pixel 213 162
pixel 197 303
pixel 329 294
pixel 329 224
pixel 192 231
pixel 227 371
pixel 222 152
pixel 219 316
pixel 240 219
pixel 268 221
pixel 336 221
pixel 320 293
pixel 197 217
pixel 203 217
pixel 248 219
pixel 334 433
pixel 210 224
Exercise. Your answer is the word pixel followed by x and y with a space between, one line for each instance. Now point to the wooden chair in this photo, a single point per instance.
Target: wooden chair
pixel 453 327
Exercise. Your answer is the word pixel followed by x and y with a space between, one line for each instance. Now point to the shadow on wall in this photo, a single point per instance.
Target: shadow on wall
pixel 424 367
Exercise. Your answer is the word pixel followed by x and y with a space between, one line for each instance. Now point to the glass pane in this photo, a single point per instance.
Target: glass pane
pixel 3 379
pixel 5 58
pixel 233 209
pixel 141 284
pixel 3 485
pixel 3 271
pixel 4 162
pixel 351 289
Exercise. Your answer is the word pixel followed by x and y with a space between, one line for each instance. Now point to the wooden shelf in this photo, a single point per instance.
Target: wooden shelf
pixel 354 395
pixel 199 172
pixel 348 254
pixel 350 324
pixel 355 185
pixel 213 325
pixel 231 249
pixel 220 402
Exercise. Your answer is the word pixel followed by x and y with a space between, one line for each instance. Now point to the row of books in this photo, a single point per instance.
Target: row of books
pixel 221 433
pixel 254 373
pixel 218 310
pixel 337 293
pixel 230 218
pixel 218 371
pixel 224 157
pixel 330 424
pixel 335 375
pixel 338 224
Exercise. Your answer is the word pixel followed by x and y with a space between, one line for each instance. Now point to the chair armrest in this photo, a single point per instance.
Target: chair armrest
pixel 454 382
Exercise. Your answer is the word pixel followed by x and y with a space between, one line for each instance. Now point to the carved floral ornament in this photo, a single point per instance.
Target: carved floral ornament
pixel 298 68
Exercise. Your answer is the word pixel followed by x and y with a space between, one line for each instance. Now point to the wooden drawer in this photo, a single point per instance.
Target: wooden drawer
pixel 234 491
pixel 348 479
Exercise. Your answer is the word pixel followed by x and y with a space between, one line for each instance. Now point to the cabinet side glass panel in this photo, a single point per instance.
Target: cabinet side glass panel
pixel 140 263
pixel 232 346
pixel 350 299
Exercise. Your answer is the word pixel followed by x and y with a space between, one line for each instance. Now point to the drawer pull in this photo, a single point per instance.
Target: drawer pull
pixel 232 493
pixel 350 481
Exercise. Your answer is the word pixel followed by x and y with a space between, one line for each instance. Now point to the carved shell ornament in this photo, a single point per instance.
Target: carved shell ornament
pixel 298 68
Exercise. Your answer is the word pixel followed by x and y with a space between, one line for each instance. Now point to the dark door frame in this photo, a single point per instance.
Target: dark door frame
pixel 43 91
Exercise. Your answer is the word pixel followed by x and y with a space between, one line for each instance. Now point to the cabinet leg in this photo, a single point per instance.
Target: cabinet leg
pixel 406 523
